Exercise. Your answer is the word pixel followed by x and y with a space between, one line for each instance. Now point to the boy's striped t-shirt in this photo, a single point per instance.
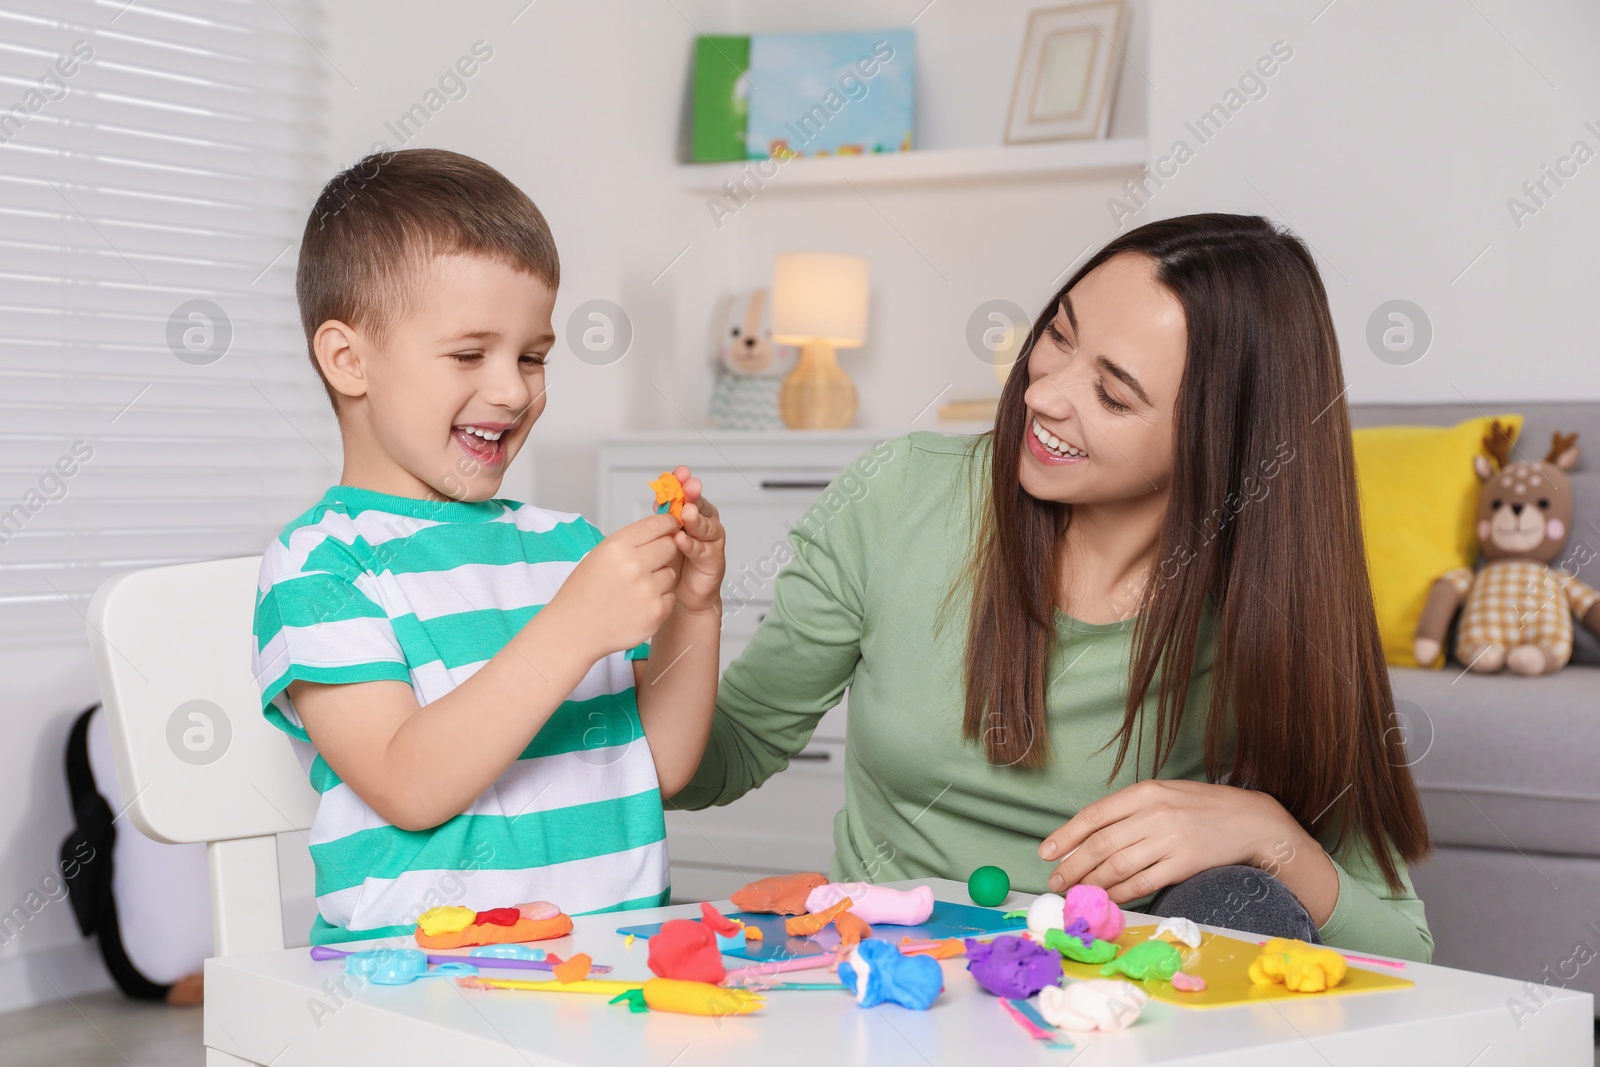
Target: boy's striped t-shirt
pixel 368 586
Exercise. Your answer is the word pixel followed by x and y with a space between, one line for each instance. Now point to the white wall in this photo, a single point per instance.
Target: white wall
pixel 1391 142
pixel 579 105
pixel 583 106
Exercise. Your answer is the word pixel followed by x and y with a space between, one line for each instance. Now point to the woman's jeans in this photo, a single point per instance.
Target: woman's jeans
pixel 1239 898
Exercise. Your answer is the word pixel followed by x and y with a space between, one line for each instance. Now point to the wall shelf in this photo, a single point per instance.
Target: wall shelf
pixel 995 163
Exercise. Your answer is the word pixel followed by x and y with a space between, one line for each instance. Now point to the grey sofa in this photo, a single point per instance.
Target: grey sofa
pixel 1509 767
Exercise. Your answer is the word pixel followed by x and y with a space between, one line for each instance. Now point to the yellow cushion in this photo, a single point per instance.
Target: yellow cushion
pixel 1418 500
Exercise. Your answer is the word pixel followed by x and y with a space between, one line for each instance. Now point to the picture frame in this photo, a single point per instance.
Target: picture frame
pixel 1067 74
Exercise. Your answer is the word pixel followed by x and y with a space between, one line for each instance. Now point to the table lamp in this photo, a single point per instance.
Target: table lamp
pixel 819 302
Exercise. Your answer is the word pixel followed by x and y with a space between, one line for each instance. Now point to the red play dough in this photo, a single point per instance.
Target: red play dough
pixel 781 894
pixel 491 934
pixel 718 922
pixel 686 949
pixel 498 917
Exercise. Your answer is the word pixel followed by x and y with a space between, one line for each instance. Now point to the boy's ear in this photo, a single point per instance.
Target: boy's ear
pixel 335 345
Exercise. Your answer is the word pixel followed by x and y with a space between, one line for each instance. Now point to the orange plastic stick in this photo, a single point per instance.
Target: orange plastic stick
pixel 806 925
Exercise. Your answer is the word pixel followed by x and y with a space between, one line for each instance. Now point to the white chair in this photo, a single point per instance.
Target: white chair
pixel 171 649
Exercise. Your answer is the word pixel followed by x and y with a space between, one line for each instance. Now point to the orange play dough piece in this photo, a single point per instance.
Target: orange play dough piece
pixel 490 934
pixel 752 933
pixel 779 894
pixel 806 925
pixel 668 488
pixel 575 969
pixel 940 950
pixel 852 929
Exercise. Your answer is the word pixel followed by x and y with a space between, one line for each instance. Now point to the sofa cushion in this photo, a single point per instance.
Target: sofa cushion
pixel 1418 490
pixel 1504 761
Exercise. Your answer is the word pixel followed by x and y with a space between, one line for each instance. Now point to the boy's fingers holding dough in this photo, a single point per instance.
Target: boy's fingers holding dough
pixel 647 529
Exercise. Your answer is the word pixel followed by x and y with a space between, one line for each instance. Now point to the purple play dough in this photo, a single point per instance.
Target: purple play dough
pixel 1013 967
pixel 1079 928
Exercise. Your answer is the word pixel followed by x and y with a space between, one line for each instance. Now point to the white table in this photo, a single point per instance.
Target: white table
pixel 284 1009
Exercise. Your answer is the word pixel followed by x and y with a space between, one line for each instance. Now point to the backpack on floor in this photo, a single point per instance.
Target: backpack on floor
pixel 161 888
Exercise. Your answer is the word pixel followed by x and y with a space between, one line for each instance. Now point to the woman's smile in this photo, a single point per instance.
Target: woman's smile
pixel 1049 449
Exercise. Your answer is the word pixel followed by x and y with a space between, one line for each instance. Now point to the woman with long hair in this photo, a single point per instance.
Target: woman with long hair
pixel 1126 638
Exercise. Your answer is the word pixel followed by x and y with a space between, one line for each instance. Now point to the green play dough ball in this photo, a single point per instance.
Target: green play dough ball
pixel 988 886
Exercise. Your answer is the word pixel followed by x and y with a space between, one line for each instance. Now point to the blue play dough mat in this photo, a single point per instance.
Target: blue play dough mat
pixel 948 920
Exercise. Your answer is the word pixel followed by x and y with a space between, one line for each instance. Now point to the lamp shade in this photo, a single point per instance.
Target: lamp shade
pixel 820 296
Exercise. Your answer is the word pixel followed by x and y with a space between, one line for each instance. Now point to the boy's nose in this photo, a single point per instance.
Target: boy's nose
pixel 510 393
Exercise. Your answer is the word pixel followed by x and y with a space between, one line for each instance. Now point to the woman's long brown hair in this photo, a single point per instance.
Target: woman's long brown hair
pixel 1298 679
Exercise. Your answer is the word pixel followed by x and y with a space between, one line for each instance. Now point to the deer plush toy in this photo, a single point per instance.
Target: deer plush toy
pixel 1519 609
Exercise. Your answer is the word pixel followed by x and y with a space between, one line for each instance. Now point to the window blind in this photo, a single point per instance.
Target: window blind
pixel 157 160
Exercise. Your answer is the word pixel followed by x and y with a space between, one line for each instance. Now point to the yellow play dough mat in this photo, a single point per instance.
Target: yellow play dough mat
pixel 1224 962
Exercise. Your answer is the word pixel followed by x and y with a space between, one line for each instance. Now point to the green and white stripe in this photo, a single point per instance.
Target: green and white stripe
pixel 368 586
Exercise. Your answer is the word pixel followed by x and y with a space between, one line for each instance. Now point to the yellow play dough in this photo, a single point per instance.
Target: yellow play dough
pixel 1301 968
pixel 445 920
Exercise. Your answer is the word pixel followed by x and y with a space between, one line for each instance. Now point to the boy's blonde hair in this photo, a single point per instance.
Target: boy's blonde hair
pixel 377 223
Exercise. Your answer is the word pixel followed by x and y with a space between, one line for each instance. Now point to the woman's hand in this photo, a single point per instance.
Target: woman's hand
pixel 1158 832
pixel 703 545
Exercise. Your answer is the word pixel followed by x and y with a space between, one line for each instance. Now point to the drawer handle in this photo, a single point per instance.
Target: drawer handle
pixel 799 483
pixel 813 757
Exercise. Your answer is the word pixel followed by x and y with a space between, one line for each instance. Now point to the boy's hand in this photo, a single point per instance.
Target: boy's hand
pixel 622 591
pixel 703 544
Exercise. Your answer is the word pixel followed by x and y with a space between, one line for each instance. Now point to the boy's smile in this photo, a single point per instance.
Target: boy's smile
pixel 482 441
pixel 443 403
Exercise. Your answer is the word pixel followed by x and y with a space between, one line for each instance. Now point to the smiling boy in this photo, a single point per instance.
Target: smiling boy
pixel 465 677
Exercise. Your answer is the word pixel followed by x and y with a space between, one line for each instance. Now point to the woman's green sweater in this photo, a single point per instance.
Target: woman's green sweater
pixel 863 605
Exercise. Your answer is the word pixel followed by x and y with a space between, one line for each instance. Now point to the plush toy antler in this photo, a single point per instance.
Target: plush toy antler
pixel 1497 442
pixel 1559 443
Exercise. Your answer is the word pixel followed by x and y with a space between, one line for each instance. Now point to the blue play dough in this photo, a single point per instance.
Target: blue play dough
pixel 948 920
pixel 508 951
pixel 892 978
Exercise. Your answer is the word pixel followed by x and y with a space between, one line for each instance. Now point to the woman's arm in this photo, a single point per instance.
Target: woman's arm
pixel 1345 894
pixel 804 652
pixel 1158 832
pixel 1369 916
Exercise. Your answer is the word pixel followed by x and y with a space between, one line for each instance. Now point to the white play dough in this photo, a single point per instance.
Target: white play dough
pixel 1183 931
pixel 1093 1004
pixel 1048 912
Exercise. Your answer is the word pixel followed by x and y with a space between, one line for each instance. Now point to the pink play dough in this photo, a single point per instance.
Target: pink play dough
pixel 1093 905
pixel 875 904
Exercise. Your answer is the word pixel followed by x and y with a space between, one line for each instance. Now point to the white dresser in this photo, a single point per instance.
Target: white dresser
pixel 762 484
